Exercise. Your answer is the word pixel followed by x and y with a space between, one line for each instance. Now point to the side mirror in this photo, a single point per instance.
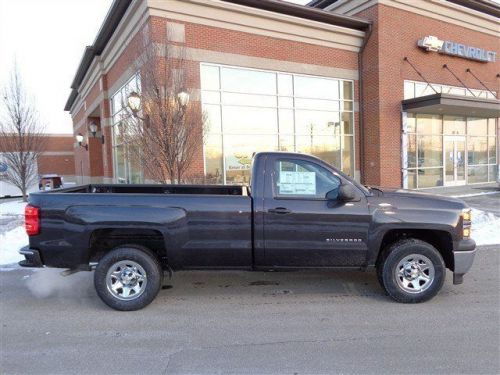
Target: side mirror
pixel 347 193
pixel 332 195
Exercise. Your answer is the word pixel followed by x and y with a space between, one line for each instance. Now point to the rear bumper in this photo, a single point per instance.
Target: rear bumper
pixel 32 256
pixel 463 259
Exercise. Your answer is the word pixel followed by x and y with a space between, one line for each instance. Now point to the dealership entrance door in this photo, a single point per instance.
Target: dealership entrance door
pixel 454 160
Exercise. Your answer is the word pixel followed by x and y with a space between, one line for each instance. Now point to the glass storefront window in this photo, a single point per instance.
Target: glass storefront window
pixel 430 151
pixel 477 148
pixel 213 159
pixel 317 104
pixel 412 151
pixel 409 90
pixel 285 84
pixel 492 173
pixel 238 153
pixel 477 173
pixel 347 123
pixel 249 120
pixel 470 155
pixel 346 90
pixel 316 87
pixel 411 123
pixel 492 127
pixel 210 79
pixel 477 126
pixel 347 153
pixel 415 89
pixel 286 121
pixel 412 179
pixel 325 148
pixel 307 122
pixel 255 110
pixel 430 177
pixel 213 122
pixel 492 150
pixel 454 125
pixel 429 124
pixel 247 81
pixel 126 161
pixel 248 99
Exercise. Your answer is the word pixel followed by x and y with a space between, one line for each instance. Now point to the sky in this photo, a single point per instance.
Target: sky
pixel 46 39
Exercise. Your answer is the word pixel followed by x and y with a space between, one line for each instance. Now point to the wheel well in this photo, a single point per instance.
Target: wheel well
pixel 103 240
pixel 441 240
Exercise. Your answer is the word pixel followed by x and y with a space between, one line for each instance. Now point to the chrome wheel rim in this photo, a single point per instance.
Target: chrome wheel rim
pixel 415 273
pixel 126 280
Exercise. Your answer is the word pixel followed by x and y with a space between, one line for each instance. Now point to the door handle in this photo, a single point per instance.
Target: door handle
pixel 279 210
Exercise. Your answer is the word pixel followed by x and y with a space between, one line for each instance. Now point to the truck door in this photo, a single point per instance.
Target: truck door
pixel 304 229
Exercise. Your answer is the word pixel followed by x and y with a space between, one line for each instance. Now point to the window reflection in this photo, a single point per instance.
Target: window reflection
pixel 213 159
pixel 238 152
pixel 127 166
pixel 477 150
pixel 265 111
pixel 247 81
pixel 249 120
pixel 430 151
pixel 316 87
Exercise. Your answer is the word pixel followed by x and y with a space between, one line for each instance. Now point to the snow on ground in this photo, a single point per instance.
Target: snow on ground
pixel 485 228
pixel 10 243
pixel 12 208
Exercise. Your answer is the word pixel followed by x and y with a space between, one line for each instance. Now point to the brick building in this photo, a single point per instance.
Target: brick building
pixel 393 92
pixel 57 159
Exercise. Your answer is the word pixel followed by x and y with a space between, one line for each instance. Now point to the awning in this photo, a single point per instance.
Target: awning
pixel 445 104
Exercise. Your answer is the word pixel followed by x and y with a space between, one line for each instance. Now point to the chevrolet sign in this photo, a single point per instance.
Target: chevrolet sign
pixel 432 43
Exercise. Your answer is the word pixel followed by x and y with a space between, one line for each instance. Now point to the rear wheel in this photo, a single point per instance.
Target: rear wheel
pixel 411 271
pixel 128 278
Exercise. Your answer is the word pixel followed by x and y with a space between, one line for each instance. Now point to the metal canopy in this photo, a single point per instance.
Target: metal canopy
pixel 445 104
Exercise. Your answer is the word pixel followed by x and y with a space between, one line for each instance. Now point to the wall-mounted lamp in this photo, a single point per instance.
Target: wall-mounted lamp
pixel 183 98
pixel 93 131
pixel 79 139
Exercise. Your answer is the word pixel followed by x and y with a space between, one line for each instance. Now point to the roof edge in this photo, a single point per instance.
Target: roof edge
pixel 484 6
pixel 306 12
pixel 108 27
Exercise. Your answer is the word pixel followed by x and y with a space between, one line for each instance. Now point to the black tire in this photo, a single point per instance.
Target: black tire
pixel 149 288
pixel 396 253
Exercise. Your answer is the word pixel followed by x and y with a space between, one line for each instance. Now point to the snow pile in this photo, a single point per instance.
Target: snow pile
pixel 485 228
pixel 10 243
pixel 12 208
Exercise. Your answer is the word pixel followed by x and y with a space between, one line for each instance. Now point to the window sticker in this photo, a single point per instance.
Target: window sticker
pixel 297 183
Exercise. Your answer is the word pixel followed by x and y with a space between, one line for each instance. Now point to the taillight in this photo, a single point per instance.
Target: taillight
pixel 32 220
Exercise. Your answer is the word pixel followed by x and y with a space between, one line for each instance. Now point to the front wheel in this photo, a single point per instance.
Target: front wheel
pixel 128 278
pixel 411 271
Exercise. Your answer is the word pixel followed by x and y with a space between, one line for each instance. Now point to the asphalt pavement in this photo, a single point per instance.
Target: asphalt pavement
pixel 251 323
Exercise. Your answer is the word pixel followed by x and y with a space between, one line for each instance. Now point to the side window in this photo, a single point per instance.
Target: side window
pixel 302 179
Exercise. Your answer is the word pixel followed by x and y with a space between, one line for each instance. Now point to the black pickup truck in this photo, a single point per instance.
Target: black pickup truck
pixel 298 213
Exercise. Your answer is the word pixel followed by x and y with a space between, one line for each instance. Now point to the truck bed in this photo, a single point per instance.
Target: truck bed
pixel 241 190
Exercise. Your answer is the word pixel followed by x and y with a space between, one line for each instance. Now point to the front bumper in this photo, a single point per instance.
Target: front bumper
pixel 463 259
pixel 32 256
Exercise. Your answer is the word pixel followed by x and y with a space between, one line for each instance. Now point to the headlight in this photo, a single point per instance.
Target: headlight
pixel 467 221
pixel 466 232
pixel 466 214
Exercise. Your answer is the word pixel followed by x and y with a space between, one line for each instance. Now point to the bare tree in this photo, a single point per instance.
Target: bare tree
pixel 21 135
pixel 165 132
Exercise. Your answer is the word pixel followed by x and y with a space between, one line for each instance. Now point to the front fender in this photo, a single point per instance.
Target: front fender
pixel 391 218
